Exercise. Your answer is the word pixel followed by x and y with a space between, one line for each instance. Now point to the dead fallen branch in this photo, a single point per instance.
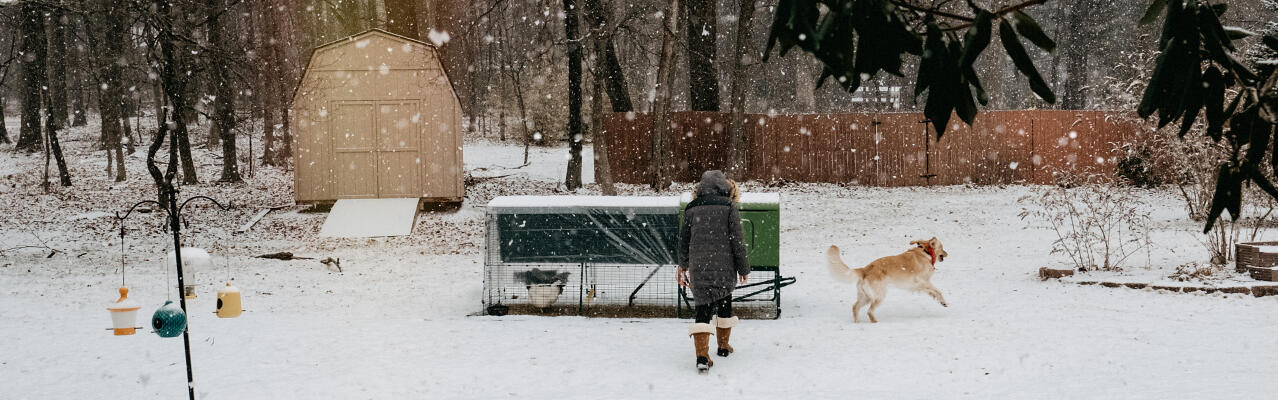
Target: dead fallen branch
pixel 284 255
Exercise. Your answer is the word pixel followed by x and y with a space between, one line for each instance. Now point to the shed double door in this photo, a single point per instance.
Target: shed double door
pixel 377 146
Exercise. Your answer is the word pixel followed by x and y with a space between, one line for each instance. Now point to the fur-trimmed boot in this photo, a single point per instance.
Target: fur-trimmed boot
pixel 701 339
pixel 723 328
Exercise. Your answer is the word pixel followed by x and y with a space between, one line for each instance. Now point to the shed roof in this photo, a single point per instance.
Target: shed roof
pixel 372 32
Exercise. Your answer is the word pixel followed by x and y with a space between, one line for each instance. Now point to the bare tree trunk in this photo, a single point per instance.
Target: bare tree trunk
pixel 51 127
pixel 571 22
pixel 78 75
pixel 283 79
pixel 523 116
pixel 738 143
pixel 107 33
pixel 174 79
pixel 603 171
pixel 1078 49
pixel 661 104
pixel 30 138
pixel 129 107
pixel 266 84
pixel 57 64
pixel 4 131
pixel 703 72
pixel 618 93
pixel 224 101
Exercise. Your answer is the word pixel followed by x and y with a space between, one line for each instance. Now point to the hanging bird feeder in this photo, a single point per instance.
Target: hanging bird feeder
pixel 196 261
pixel 228 302
pixel 124 311
pixel 228 298
pixel 168 320
pixel 124 314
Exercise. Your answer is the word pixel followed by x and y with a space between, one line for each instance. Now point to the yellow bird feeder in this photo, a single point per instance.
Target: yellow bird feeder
pixel 228 302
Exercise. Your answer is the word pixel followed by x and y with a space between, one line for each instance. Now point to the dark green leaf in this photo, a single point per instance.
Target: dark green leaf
pixel 981 96
pixel 1023 62
pixel 932 64
pixel 1214 33
pixel 1214 100
pixel 1154 10
pixel 1263 182
pixel 1220 9
pixel 1271 41
pixel 1158 85
pixel 1027 27
pixel 1175 16
pixel 977 38
pixel 1192 101
pixel 1247 124
pixel 1228 195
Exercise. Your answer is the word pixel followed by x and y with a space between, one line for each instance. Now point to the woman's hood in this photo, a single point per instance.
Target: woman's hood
pixel 714 183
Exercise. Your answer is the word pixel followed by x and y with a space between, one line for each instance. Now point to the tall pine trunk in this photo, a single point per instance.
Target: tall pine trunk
pixel 571 22
pixel 30 137
pixel 703 73
pixel 659 171
pixel 738 142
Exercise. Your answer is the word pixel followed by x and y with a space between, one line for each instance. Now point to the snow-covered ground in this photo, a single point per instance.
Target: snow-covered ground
pixel 394 323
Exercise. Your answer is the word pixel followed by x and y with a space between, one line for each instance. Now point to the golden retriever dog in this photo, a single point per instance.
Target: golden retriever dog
pixel 910 270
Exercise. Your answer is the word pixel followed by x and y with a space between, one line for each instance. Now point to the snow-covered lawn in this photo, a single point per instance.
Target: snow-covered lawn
pixel 395 324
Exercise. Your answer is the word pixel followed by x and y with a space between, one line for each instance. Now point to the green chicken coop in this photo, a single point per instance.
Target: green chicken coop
pixel 613 256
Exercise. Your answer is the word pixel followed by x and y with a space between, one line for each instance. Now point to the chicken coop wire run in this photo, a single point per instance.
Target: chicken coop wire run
pixel 596 256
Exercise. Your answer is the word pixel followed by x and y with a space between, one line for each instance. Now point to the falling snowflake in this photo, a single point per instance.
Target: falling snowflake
pixel 438 37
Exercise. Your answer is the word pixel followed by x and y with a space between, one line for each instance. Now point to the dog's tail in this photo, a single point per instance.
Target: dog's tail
pixel 841 271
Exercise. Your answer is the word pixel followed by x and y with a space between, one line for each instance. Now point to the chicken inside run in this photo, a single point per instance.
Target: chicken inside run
pixel 424 199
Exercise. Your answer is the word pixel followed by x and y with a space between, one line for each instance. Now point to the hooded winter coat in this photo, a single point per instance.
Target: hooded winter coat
pixel 710 240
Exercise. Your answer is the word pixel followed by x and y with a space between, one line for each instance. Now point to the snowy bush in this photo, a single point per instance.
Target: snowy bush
pixel 1192 163
pixel 1097 225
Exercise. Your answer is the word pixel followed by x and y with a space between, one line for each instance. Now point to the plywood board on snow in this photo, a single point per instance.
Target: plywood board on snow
pixel 358 218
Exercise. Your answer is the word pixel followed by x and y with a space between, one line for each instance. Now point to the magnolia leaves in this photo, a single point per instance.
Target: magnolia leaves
pixel 1181 87
pixel 856 39
pixel 833 31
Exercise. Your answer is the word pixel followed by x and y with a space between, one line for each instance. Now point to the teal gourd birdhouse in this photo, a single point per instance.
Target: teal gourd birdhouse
pixel 169 320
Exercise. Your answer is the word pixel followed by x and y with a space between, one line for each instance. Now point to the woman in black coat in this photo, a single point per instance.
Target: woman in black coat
pixel 712 259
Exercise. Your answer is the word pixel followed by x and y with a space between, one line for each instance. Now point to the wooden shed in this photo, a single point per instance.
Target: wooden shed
pixel 375 116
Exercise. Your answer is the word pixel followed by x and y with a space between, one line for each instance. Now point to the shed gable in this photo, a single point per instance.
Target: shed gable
pixel 373 51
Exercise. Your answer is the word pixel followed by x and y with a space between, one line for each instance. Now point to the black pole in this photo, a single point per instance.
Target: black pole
pixel 175 226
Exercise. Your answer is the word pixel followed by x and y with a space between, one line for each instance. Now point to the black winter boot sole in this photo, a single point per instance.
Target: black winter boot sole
pixel 703 364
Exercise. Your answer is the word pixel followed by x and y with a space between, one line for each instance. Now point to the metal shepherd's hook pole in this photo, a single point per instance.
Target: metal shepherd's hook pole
pixel 169 203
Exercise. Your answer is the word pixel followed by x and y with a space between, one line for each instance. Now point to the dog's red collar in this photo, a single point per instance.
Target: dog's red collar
pixel 931 252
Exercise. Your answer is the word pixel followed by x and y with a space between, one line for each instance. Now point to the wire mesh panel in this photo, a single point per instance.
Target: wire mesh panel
pixel 596 255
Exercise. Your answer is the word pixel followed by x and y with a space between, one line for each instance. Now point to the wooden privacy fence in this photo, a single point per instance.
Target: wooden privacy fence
pixel 880 149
